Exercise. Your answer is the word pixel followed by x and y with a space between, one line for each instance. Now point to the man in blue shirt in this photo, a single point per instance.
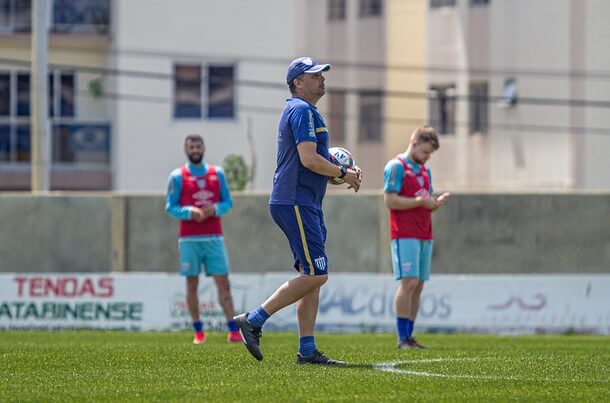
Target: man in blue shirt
pixel 198 195
pixel 299 186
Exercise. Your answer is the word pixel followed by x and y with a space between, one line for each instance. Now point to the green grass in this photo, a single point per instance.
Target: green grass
pixel 117 366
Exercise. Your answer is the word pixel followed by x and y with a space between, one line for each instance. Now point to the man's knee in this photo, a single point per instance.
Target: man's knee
pixel 316 281
pixel 192 284
pixel 409 284
pixel 321 280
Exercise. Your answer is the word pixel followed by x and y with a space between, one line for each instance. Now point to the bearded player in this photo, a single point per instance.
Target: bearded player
pixel 198 195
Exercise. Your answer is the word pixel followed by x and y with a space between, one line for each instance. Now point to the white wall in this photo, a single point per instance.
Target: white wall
pixel 596 162
pixel 259 37
pixel 531 36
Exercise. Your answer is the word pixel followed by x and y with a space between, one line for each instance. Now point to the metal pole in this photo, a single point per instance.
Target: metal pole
pixel 39 132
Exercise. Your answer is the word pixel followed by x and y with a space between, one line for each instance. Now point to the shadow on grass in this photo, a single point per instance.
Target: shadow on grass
pixel 346 366
pixel 357 365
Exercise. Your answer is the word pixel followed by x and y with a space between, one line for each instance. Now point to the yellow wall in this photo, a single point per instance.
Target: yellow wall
pixel 406 46
pixel 80 51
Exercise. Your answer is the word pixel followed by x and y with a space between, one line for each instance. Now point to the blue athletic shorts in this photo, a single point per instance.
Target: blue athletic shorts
pixel 197 251
pixel 304 227
pixel 411 258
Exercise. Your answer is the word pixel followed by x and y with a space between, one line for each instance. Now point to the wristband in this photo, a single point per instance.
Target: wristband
pixel 343 172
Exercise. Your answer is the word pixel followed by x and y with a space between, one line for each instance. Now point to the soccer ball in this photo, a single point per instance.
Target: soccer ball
pixel 342 157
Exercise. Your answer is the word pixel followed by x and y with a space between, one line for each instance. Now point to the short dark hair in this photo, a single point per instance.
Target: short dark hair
pixel 426 134
pixel 193 137
pixel 291 85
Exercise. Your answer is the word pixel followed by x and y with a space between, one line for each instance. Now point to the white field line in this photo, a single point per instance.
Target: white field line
pixel 391 367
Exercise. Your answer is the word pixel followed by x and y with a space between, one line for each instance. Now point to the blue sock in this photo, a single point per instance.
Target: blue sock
pixel 232 326
pixel 307 345
pixel 410 327
pixel 198 326
pixel 258 317
pixel 402 325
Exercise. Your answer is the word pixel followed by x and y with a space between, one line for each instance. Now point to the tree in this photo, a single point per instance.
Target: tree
pixel 236 172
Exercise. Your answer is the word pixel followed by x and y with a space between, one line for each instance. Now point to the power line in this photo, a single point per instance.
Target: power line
pixel 274 85
pixel 389 93
pixel 541 73
pixel 512 127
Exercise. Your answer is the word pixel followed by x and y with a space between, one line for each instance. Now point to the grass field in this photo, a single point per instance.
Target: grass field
pixel 117 366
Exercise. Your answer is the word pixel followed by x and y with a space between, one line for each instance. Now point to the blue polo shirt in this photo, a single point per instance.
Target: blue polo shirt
pixel 293 184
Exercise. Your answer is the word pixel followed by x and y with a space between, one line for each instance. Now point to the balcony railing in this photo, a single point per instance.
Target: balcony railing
pixel 67 16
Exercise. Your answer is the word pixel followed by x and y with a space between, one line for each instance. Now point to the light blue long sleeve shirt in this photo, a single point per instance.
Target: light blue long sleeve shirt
pixel 174 188
pixel 394 173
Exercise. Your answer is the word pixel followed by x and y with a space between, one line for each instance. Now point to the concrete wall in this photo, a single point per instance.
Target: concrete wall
pixel 523 233
pixel 475 233
pixel 54 233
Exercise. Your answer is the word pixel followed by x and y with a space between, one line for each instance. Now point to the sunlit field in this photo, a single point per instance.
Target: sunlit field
pixel 120 366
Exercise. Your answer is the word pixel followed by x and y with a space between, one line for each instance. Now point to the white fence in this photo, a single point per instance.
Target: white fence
pixel 348 302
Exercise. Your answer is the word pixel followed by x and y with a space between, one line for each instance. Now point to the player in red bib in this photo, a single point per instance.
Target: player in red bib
pixel 408 195
pixel 198 196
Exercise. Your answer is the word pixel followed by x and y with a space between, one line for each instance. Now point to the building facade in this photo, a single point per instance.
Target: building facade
pixel 214 68
pixel 80 120
pixel 517 90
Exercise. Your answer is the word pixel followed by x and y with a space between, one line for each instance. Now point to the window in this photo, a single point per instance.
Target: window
pixel 370 117
pixel 66 94
pixel 5 143
pixel 337 117
pixel 442 108
pixel 15 15
pixel 370 8
pixel 23 94
pixel 23 143
pixel 67 16
pixel 442 3
pixel 15 110
pixel 479 3
pixel 61 101
pixel 187 91
pixel 5 94
pixel 220 92
pixel 336 10
pixel 478 107
pixel 87 16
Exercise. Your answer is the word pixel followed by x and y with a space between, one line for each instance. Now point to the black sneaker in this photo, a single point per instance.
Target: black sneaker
pixel 409 343
pixel 417 344
pixel 318 357
pixel 250 335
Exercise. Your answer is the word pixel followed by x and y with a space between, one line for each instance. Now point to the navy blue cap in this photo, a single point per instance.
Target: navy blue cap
pixel 304 65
